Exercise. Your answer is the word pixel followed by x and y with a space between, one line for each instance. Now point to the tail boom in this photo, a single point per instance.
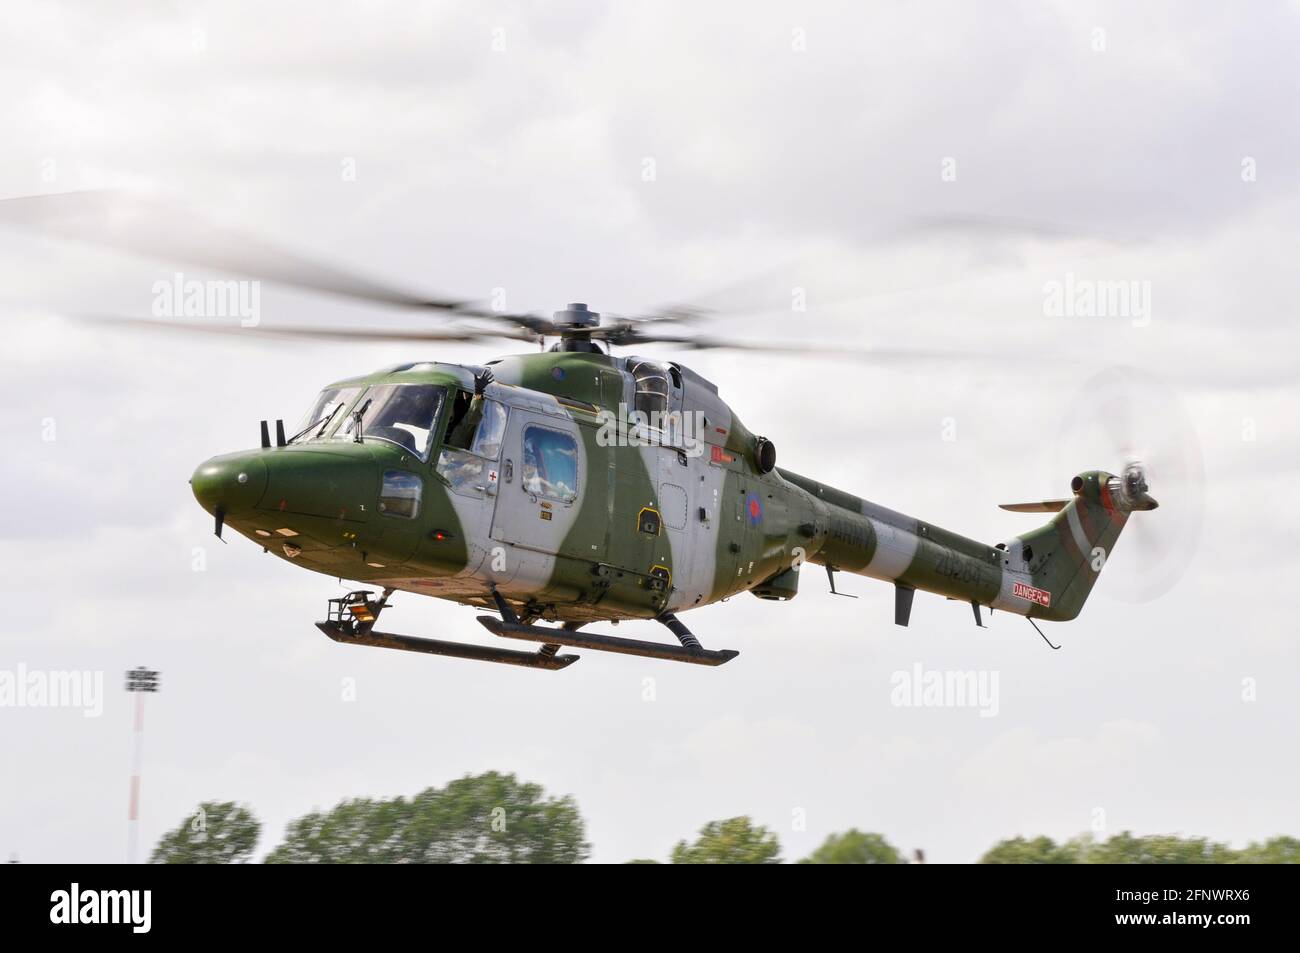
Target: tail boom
pixel 1047 573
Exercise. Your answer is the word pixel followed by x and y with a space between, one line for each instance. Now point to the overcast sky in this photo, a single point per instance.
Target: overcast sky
pixel 627 158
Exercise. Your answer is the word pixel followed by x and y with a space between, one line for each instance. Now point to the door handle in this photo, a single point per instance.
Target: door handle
pixel 509 470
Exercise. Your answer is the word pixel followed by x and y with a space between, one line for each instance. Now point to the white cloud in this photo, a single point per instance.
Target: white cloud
pixel 523 170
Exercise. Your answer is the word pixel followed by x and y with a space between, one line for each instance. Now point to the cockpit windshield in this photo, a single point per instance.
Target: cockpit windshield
pixel 328 407
pixel 403 414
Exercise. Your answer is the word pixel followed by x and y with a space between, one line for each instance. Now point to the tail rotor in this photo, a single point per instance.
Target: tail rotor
pixel 1134 418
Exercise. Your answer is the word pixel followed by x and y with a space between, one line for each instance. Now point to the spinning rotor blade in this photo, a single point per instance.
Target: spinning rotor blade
pixel 125 222
pixel 618 330
pixel 630 337
pixel 1133 424
pixel 306 332
pixel 971 242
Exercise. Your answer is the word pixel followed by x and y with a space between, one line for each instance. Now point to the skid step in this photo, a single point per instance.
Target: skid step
pixel 342 632
pixel 607 643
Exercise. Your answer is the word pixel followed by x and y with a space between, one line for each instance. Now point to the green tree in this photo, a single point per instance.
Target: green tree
pixel 1040 850
pixel 736 840
pixel 854 847
pixel 1278 850
pixel 1125 848
pixel 217 833
pixel 484 819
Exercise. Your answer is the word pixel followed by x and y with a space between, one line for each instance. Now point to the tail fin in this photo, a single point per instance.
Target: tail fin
pixel 1051 570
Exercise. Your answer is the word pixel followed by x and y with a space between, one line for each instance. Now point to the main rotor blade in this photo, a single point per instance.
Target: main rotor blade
pixel 125 222
pixel 769 290
pixel 302 332
pixel 624 337
pixel 613 324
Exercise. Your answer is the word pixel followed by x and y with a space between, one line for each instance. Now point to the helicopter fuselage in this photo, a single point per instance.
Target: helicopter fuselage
pixel 584 487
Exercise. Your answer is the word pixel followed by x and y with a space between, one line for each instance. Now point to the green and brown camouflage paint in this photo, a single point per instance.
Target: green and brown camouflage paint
pixel 723 525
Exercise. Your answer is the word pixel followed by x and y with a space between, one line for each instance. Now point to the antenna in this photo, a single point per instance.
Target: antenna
pixel 1040 632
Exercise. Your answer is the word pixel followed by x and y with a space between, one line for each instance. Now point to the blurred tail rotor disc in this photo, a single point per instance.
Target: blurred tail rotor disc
pixel 1133 424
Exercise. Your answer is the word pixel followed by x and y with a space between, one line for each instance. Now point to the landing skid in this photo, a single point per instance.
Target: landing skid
pixel 690 650
pixel 352 620
pixel 480 653
pixel 606 643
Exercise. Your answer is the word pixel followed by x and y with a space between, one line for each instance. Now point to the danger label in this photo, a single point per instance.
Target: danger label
pixel 1030 594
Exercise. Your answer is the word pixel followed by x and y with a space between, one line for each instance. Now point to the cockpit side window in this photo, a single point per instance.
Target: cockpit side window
pixel 491 430
pixel 477 424
pixel 465 413
pixel 475 429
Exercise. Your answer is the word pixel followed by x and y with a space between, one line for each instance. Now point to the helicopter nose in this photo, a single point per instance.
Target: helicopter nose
pixel 234 482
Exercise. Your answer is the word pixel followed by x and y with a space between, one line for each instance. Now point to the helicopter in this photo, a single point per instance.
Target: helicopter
pixel 569 486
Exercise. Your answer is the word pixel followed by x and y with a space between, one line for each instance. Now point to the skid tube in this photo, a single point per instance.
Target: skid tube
pixel 690 650
pixel 341 628
pixel 479 653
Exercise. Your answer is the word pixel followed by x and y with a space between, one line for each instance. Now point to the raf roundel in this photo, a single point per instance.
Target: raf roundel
pixel 753 508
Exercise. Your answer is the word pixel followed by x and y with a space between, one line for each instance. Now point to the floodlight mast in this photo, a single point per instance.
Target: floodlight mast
pixel 139 681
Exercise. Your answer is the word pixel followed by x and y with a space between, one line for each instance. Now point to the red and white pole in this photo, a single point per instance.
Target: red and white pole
pixel 137 758
pixel 138 682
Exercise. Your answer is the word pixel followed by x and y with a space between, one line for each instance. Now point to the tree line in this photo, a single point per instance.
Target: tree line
pixel 494 818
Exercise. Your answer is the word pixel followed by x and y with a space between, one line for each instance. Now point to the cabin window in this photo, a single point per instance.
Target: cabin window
pixel 400 414
pixel 550 469
pixel 400 496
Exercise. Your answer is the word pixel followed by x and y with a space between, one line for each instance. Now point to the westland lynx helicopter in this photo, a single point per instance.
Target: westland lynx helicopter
pixel 570 486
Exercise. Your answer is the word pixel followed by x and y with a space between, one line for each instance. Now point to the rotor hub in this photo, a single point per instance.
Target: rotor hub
pixel 1135 481
pixel 1133 488
pixel 576 316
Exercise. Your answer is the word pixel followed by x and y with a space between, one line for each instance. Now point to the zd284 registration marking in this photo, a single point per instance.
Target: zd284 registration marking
pixel 1029 593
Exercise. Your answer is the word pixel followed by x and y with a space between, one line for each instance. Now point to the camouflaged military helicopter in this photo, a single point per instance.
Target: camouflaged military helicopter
pixel 570 486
